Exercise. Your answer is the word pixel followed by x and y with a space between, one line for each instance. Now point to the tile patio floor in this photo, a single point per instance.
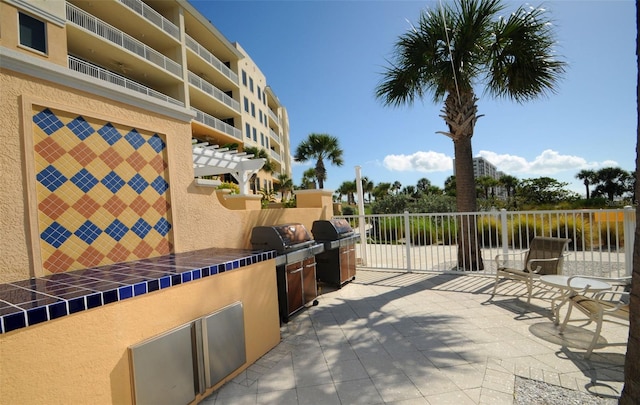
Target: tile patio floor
pixel 424 338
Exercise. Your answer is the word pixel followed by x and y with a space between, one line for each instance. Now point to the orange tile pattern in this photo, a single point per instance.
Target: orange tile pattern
pixel 102 191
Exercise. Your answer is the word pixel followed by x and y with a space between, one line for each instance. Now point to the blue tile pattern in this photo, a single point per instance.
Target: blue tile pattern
pixel 30 302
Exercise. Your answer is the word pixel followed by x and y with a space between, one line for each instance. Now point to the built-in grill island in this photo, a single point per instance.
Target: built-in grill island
pixel 295 264
pixel 337 263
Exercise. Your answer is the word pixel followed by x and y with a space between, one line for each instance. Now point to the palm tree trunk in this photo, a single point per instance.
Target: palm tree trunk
pixel 469 257
pixel 631 392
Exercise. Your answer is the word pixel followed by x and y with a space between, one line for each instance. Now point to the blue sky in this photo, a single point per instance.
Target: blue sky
pixel 324 58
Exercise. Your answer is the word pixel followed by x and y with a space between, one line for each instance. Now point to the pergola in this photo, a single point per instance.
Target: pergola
pixel 211 160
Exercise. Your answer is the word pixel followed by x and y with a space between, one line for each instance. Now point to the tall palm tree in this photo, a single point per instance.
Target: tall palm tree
pixel 509 183
pixel 367 187
pixel 320 147
pixel 452 50
pixel 612 182
pixel 588 177
pixel 631 391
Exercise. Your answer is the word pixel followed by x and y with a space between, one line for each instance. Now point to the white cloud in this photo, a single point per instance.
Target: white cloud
pixel 547 163
pixel 426 162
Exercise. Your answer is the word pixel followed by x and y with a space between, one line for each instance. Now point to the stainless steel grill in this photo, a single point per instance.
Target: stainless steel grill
pixel 337 263
pixel 295 264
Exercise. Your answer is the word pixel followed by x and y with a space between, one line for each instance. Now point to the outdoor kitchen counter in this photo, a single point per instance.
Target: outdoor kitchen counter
pixel 30 302
pixel 67 337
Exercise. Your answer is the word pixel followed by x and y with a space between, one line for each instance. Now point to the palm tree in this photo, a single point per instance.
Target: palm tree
pixel 631 391
pixel 309 179
pixel 285 185
pixel 367 187
pixel 486 184
pixel 396 186
pixel 509 183
pixel 320 147
pixel 611 182
pixel 267 167
pixel 456 48
pixel 588 177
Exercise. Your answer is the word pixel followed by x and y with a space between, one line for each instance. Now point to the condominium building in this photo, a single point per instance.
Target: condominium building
pixel 163 53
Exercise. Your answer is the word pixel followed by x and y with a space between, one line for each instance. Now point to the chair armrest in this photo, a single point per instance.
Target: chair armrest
pixel 501 258
pixel 530 263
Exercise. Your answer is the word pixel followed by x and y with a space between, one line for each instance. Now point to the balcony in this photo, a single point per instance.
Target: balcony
pixel 115 36
pixel 97 72
pixel 153 17
pixel 213 122
pixel 213 91
pixel 274 135
pixel 273 116
pixel 275 156
pixel 211 59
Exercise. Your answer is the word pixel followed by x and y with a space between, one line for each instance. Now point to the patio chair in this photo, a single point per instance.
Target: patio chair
pixel 605 306
pixel 544 256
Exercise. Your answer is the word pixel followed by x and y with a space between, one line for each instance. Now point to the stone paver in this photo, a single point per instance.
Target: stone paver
pixel 424 338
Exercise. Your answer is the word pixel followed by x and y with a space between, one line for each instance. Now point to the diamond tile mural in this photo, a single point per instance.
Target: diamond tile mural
pixel 102 191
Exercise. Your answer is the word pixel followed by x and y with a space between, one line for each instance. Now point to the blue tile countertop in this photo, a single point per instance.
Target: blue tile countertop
pixel 29 302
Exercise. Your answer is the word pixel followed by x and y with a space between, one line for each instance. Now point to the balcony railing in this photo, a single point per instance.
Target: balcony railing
pixel 274 135
pixel 273 116
pixel 211 59
pixel 92 70
pixel 213 122
pixel 275 156
pixel 153 17
pixel 115 36
pixel 601 240
pixel 213 91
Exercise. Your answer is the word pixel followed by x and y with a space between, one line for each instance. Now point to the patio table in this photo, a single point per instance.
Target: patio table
pixel 560 282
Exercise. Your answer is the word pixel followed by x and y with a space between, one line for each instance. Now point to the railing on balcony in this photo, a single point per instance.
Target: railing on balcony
pixel 115 36
pixel 153 17
pixel 601 240
pixel 213 91
pixel 213 122
pixel 274 135
pixel 92 70
pixel 210 58
pixel 275 156
pixel 273 116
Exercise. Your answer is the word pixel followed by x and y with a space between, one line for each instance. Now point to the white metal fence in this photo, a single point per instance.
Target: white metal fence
pixel 601 240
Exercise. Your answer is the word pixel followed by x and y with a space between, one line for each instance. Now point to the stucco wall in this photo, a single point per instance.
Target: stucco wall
pixel 199 219
pixel 83 358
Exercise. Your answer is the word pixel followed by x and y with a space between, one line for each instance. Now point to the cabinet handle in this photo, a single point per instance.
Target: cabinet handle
pixel 296 271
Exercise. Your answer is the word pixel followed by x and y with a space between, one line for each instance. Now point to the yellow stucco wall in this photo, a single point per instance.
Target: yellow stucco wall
pixel 82 358
pixel 198 218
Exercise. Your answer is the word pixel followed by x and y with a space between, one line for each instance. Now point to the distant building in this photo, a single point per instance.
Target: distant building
pixel 482 167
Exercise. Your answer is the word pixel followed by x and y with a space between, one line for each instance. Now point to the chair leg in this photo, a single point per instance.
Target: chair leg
pixel 495 286
pixel 566 318
pixel 529 291
pixel 594 341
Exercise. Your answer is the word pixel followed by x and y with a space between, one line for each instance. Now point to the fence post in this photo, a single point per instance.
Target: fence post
pixel 505 231
pixel 407 239
pixel 629 238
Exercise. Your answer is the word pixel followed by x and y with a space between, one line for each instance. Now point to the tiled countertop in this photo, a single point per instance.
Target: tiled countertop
pixel 29 302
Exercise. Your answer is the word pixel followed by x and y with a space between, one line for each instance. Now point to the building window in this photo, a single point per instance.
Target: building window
pixel 251 84
pixel 255 135
pixel 253 110
pixel 259 94
pixel 261 139
pixel 32 33
pixel 260 114
pixel 244 78
pixel 246 104
pixel 247 129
